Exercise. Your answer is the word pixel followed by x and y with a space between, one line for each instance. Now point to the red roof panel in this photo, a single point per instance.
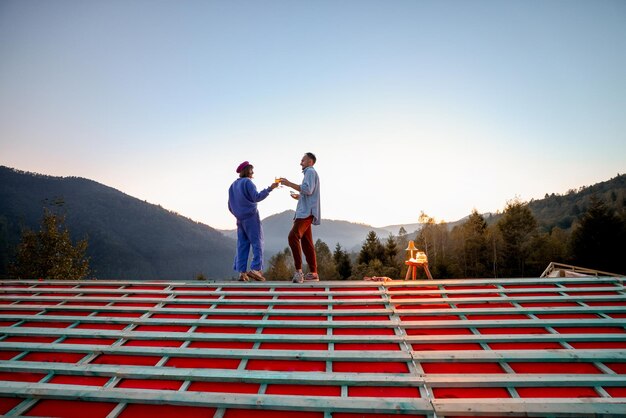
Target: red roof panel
pixel 327 350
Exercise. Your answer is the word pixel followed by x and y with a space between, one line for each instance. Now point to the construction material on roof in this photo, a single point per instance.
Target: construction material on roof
pixel 567 270
pixel 444 348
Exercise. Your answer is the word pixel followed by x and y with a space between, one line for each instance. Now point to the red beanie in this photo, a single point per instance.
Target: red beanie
pixel 242 166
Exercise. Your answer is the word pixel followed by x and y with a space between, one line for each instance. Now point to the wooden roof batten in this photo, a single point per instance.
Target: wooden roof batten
pixel 369 331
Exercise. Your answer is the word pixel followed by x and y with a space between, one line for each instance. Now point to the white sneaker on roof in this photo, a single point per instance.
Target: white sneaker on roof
pixel 298 277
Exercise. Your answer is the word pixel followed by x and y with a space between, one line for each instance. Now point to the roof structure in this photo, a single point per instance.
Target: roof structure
pixel 442 348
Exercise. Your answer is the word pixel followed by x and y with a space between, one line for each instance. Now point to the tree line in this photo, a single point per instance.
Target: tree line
pixel 519 242
pixel 515 245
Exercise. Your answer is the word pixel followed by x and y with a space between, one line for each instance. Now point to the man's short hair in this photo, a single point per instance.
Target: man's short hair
pixel 311 156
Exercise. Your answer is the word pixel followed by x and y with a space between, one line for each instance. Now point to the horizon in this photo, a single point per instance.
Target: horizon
pixel 264 216
pixel 439 107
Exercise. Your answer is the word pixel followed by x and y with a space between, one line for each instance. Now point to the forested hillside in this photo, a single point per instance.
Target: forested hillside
pixel 563 210
pixel 128 238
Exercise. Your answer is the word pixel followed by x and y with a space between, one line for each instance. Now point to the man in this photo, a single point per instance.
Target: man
pixel 307 214
pixel 242 202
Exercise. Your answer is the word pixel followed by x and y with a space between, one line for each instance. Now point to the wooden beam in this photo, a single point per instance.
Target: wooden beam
pixel 325 312
pixel 215 375
pixel 178 294
pixel 443 324
pixel 304 355
pixel 220 400
pixel 524 380
pixel 330 302
pixel 542 407
pixel 540 356
pixel 548 355
pixel 197 336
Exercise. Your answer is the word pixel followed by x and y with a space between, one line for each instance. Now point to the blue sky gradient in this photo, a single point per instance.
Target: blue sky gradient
pixel 435 106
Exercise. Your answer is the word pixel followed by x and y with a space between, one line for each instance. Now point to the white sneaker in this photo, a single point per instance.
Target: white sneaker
pixel 298 277
pixel 311 277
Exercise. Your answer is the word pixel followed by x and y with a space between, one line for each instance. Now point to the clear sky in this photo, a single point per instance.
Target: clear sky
pixel 410 106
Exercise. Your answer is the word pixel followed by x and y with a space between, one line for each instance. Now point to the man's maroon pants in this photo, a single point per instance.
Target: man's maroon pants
pixel 301 240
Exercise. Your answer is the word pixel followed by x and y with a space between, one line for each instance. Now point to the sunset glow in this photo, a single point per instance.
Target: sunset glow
pixel 410 106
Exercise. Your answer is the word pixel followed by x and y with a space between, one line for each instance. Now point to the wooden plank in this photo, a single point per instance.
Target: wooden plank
pixel 304 355
pixel 321 293
pixel 191 336
pixel 210 312
pixel 206 322
pixel 587 407
pixel 512 299
pixel 466 380
pixel 214 375
pixel 508 292
pixel 514 310
pixel 220 400
pixel 548 355
pixel 502 281
pixel 545 355
pixel 327 312
pixel 185 293
pixel 513 338
pixel 195 336
pixel 515 323
pixel 341 283
pixel 445 324
pixel 208 283
pixel 330 302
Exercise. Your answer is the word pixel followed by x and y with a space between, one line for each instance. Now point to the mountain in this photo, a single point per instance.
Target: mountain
pixel 411 229
pixel 350 235
pixel 133 239
pixel 563 211
pixel 128 238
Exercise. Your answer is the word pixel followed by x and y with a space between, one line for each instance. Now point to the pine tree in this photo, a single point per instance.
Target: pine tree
pixel 342 262
pixel 49 254
pixel 371 250
pixel 4 246
pixel 598 240
pixel 518 227
pixel 390 260
pixel 474 251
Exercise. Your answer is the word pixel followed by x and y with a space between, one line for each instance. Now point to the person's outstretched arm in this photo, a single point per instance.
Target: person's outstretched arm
pixel 290 184
pixel 256 196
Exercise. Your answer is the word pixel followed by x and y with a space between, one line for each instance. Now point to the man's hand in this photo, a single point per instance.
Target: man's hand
pixel 274 185
pixel 289 184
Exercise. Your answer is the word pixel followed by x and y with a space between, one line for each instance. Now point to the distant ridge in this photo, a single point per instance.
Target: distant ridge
pixel 128 238
pixel 276 228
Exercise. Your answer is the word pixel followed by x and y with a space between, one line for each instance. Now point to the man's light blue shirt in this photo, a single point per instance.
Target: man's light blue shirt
pixel 309 202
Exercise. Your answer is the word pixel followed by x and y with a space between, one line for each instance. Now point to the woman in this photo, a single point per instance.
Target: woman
pixel 242 203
